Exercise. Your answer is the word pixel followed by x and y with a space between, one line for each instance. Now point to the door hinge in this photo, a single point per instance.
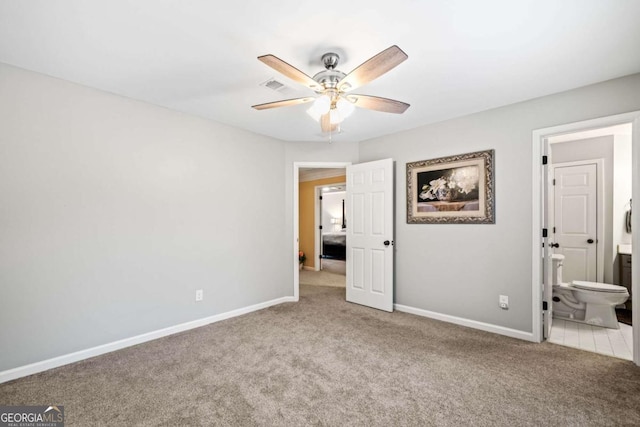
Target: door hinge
pixel 544 232
pixel 545 159
pixel 554 230
pixel 320 227
pixel 553 182
pixel 545 306
pixel 320 197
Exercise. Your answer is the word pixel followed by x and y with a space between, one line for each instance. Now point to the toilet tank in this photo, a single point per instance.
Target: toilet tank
pixel 556 268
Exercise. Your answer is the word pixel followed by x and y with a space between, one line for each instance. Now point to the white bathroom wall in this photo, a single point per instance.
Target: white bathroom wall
pixel 622 185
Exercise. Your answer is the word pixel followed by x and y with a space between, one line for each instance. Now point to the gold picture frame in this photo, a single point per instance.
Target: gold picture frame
pixel 452 190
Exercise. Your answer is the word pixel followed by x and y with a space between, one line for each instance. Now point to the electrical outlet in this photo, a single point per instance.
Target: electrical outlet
pixel 199 295
pixel 504 302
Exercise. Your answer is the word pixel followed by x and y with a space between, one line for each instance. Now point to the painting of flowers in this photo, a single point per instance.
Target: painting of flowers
pixel 455 189
pixel 449 184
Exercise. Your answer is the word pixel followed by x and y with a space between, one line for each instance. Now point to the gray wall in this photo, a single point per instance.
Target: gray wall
pixel 460 270
pixel 113 212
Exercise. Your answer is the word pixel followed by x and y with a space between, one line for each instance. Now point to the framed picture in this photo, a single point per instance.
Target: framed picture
pixel 451 190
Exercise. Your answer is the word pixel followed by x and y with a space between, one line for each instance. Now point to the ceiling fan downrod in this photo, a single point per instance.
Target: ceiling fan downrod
pixel 330 60
pixel 329 77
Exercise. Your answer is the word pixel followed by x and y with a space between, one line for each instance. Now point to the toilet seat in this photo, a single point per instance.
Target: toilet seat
pixel 598 287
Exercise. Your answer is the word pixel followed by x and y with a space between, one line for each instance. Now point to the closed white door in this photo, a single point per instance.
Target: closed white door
pixel 369 206
pixel 575 206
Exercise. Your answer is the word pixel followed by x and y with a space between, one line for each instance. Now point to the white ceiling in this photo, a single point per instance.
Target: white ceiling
pixel 199 56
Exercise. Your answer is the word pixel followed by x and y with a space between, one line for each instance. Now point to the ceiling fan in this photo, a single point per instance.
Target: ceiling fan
pixel 335 101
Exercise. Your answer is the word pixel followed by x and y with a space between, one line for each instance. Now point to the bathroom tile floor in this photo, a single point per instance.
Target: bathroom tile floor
pixel 612 342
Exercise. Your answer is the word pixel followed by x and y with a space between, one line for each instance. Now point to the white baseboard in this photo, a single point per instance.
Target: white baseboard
pixel 488 327
pixel 55 362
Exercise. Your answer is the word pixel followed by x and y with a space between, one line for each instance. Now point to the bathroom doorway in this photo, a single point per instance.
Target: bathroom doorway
pixel 588 197
pixel 584 217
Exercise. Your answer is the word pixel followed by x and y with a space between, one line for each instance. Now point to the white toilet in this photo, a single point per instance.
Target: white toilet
pixel 585 302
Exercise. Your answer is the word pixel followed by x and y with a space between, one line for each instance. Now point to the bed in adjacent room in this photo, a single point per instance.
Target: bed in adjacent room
pixel 334 245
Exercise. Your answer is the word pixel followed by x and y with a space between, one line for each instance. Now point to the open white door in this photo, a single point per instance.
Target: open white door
pixel 547 224
pixel 370 234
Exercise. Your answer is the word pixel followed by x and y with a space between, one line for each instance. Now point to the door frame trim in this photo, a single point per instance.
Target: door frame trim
pixel 600 211
pixel 317 222
pixel 538 140
pixel 296 214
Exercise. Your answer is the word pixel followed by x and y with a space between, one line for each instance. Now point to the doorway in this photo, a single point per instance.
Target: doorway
pixel 614 175
pixel 369 237
pixel 313 171
pixel 331 231
pixel 590 183
pixel 322 230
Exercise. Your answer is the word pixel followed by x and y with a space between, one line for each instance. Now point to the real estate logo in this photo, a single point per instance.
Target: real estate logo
pixel 31 416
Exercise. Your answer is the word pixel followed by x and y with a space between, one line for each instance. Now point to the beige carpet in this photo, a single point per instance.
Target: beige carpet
pixel 323 361
pixel 334 266
pixel 322 278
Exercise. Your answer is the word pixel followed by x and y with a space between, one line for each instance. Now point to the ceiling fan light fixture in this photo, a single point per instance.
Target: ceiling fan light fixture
pixel 333 103
pixel 345 107
pixel 322 104
pixel 335 117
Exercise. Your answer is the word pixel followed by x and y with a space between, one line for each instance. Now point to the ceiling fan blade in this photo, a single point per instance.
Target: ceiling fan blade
pixel 376 103
pixel 284 103
pixel 290 71
pixel 325 124
pixel 373 68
